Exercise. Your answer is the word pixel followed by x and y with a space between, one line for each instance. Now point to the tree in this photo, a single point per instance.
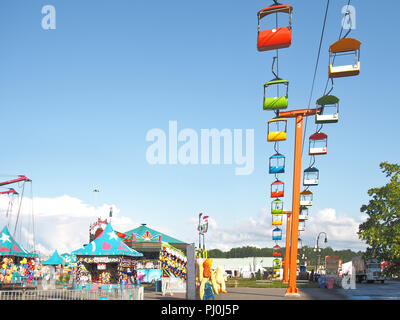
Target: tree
pixel 381 230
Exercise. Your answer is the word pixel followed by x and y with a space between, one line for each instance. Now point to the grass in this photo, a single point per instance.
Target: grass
pixel 252 283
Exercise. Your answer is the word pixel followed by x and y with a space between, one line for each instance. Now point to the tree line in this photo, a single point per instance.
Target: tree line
pixel 305 253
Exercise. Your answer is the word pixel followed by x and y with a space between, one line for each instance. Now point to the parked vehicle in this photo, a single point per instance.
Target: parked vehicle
pixel 365 270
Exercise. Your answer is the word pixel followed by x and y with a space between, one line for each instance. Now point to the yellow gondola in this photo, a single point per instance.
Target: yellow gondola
pixel 277 129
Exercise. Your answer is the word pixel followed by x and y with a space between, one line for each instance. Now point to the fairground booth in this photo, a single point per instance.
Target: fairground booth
pixel 106 262
pixel 150 243
pixel 55 266
pixel 17 264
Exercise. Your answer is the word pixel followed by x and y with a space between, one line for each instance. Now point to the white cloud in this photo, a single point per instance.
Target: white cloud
pixel 61 223
pixel 257 231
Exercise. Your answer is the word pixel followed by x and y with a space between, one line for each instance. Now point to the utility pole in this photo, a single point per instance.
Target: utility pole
pixel 317 249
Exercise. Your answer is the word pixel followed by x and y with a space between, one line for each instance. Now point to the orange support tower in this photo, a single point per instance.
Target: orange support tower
pixel 287 248
pixel 298 115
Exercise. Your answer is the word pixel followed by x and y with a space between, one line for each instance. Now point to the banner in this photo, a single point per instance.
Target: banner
pixel 203 227
pixel 332 265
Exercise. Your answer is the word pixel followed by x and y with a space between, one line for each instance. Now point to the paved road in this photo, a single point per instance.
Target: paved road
pixel 390 290
pixel 257 294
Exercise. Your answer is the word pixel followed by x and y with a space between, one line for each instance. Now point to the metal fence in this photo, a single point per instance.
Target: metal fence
pixel 62 294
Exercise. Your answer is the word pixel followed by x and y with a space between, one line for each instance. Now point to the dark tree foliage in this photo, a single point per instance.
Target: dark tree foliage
pixel 381 230
pixel 312 256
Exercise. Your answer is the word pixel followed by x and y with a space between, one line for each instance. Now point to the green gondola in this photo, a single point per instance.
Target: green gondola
pixel 329 106
pixel 277 102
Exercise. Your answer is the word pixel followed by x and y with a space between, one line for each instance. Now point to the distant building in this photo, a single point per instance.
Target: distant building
pixel 244 267
pixel 148 241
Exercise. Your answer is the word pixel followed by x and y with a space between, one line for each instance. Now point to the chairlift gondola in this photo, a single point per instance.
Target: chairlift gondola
pixel 277 219
pixel 276 102
pixel 344 47
pixel 311 177
pixel 277 189
pixel 277 234
pixel 277 163
pixel 302 225
pixel 276 38
pixel 277 129
pixel 303 215
pixel 277 207
pixel 306 198
pixel 276 251
pixel 318 144
pixel 276 264
pixel 329 110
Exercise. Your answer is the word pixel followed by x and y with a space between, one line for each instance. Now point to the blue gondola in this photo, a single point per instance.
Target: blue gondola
pixel 277 234
pixel 311 176
pixel 277 163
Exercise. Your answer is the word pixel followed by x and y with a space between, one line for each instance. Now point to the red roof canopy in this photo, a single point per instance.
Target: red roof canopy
pixel 318 136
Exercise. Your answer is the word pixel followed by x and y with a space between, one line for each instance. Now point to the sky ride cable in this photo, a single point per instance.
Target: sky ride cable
pixel 333 60
pixel 316 69
pixel 340 37
pixel 19 209
pixel 33 220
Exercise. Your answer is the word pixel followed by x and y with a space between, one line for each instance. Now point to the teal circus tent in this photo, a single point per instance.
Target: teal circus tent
pixel 107 244
pixel 54 260
pixel 69 258
pixel 148 235
pixel 9 247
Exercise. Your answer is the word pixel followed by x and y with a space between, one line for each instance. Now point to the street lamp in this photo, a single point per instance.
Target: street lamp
pixel 318 249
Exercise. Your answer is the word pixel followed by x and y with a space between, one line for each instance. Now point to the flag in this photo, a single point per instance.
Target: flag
pixel 110 212
pixel 204 225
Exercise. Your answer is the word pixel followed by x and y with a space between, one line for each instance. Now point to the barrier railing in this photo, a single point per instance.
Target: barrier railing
pixel 62 294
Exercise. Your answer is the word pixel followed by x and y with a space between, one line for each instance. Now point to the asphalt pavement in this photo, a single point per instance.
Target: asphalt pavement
pixel 390 290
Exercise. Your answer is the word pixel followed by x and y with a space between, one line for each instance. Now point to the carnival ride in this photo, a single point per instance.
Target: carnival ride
pixel 13 195
pixel 326 111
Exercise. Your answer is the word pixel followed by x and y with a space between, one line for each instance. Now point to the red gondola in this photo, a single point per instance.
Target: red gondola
pixel 276 38
pixel 276 251
pixel 318 143
pixel 277 189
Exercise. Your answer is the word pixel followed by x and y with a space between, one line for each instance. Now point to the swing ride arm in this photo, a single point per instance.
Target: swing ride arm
pixel 20 178
pixel 11 190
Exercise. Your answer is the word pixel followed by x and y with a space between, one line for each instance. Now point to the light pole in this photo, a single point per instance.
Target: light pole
pixel 199 228
pixel 318 249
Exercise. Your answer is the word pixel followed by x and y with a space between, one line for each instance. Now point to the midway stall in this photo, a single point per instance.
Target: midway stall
pixel 173 266
pixel 149 242
pixel 18 266
pixel 106 263
pixel 53 270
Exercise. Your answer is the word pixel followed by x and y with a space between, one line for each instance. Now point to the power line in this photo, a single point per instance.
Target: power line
pixel 316 68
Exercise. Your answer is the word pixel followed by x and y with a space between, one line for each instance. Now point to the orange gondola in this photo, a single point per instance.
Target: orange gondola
pixel 345 46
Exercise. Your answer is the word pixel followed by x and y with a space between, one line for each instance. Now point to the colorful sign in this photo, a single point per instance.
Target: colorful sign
pixel 332 265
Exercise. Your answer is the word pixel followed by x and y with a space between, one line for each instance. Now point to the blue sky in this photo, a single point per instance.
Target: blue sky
pixel 77 102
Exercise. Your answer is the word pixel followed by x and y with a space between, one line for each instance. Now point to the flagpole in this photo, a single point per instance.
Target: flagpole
pixel 200 230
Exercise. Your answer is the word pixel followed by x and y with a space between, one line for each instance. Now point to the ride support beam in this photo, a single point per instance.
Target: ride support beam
pixel 287 247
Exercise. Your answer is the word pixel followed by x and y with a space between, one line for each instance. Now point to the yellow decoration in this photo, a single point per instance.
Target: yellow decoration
pixel 220 278
pixel 214 283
